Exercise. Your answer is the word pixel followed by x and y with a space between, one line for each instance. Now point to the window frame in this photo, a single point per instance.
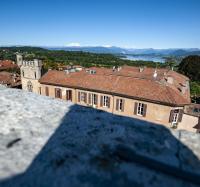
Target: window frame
pixel 69 95
pixel 46 90
pixel 29 86
pixel 105 101
pixel 60 93
pixel 94 99
pixel 40 90
pixel 175 116
pixel 140 109
pixel 83 97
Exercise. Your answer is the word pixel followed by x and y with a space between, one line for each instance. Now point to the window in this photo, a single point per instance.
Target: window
pixel 47 91
pixel 120 105
pixel 82 97
pixel 58 93
pixel 175 116
pixel 140 109
pixel 93 99
pixel 29 86
pixel 69 95
pixel 105 101
pixel 35 75
pixel 39 90
pixel 22 73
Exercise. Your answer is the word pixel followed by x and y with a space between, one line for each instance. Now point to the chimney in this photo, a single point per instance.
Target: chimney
pixel 92 71
pixel 141 69
pixel 155 74
pixel 119 68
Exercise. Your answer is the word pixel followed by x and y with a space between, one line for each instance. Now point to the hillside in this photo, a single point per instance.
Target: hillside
pixel 119 50
pixel 49 142
pixel 52 58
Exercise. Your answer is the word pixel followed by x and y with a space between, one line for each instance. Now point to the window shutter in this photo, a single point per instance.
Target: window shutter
pixel 96 100
pixel 171 116
pixel 85 97
pixel 145 110
pixel 89 98
pixel 55 92
pixel 47 91
pixel 67 95
pixel 180 116
pixel 117 104
pixel 135 108
pixel 101 101
pixel 123 102
pixel 60 93
pixel 79 96
pixel 108 102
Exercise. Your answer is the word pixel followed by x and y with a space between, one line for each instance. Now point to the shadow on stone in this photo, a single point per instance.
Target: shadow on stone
pixel 95 148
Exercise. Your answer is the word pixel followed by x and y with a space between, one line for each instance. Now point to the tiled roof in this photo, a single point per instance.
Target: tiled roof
pixel 7 64
pixel 127 82
pixel 9 79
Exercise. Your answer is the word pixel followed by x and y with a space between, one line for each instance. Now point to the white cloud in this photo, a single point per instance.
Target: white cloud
pixel 107 46
pixel 73 44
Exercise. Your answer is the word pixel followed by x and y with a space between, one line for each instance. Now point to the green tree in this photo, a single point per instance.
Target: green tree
pixel 190 66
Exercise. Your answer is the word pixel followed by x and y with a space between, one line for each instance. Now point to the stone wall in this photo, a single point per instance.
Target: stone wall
pixel 50 142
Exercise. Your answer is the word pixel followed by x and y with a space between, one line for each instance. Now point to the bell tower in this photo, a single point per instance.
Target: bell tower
pixel 31 72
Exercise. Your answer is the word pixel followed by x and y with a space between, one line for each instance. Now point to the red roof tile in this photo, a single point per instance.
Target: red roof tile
pixel 128 82
pixel 7 64
pixel 10 79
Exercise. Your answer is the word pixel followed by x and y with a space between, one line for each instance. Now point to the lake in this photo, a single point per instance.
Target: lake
pixel 144 58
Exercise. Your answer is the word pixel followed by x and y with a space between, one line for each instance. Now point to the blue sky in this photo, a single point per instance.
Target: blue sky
pixel 125 23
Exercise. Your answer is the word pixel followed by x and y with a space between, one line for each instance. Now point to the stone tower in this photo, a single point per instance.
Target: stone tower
pixel 19 59
pixel 31 72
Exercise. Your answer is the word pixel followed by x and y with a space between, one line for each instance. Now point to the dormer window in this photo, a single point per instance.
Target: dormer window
pixel 92 72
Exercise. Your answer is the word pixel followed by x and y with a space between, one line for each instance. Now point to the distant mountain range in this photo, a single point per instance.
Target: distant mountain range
pixel 177 52
pixel 118 50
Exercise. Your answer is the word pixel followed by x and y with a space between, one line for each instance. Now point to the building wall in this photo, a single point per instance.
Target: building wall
pixel 155 113
pixel 188 122
pixel 52 91
pixel 36 85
